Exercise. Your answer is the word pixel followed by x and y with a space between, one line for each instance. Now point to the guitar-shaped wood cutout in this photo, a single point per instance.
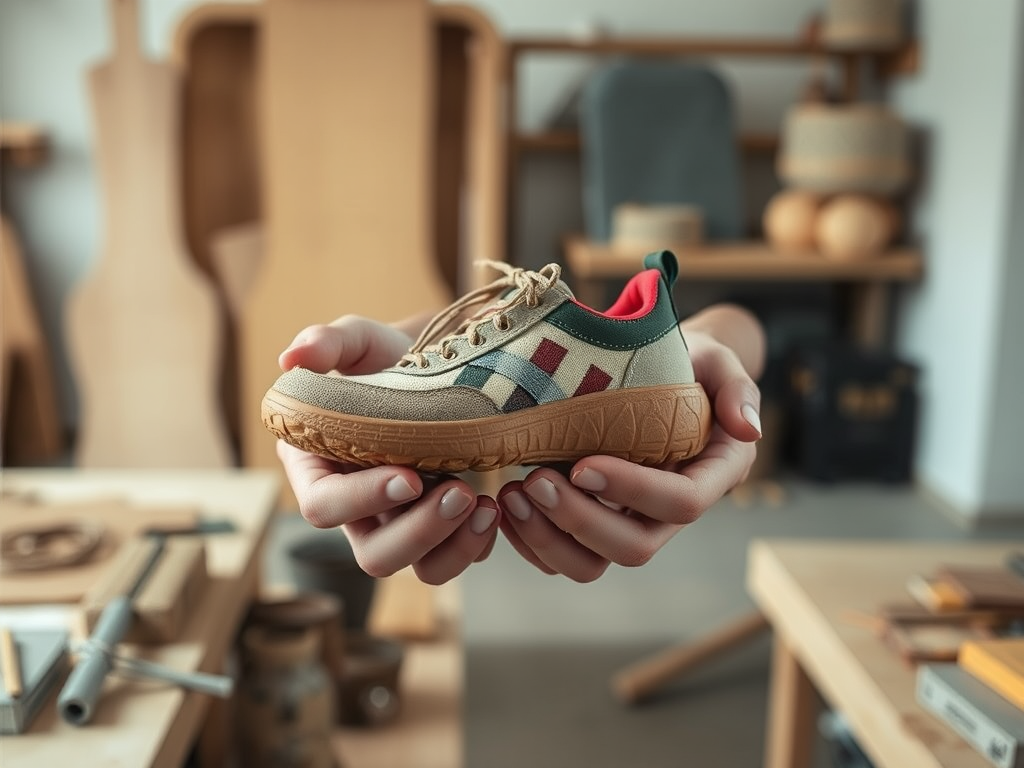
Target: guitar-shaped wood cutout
pixel 144 328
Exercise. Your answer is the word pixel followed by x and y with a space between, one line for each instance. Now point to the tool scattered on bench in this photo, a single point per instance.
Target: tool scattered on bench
pixel 97 656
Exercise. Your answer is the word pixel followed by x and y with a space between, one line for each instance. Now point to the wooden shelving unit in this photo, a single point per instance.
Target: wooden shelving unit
pixel 753 260
pixel 886 64
pixel 866 282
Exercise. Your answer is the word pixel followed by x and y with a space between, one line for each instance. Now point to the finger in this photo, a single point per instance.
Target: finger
pixel 464 547
pixel 736 398
pixel 331 494
pixel 489 547
pixel 677 497
pixel 350 344
pixel 555 548
pixel 407 539
pixel 519 546
pixel 624 538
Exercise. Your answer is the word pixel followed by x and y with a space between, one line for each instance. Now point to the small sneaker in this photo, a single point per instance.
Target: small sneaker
pixel 534 377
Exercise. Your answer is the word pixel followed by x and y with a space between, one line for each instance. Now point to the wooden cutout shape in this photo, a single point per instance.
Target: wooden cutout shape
pixel 346 123
pixel 215 45
pixel 144 329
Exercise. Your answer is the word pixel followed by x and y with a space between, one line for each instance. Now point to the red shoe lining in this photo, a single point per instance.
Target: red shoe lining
pixel 636 300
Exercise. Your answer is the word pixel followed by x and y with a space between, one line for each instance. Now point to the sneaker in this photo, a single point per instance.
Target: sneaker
pixel 533 377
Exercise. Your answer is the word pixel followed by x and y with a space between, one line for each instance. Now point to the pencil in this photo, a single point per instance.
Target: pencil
pixel 11 661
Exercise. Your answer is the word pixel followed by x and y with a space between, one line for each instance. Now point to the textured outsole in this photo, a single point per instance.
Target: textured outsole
pixel 644 425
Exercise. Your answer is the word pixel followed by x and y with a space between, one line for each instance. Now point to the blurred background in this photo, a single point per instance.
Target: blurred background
pixel 867 168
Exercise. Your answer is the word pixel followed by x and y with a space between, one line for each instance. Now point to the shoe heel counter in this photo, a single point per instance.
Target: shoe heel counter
pixel 665 361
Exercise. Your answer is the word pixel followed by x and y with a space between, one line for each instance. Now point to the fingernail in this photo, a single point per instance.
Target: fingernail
pixel 517 505
pixel 454 503
pixel 482 518
pixel 398 489
pixel 542 491
pixel 751 416
pixel 589 480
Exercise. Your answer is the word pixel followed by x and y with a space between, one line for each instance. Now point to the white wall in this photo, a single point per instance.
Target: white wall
pixel 1003 485
pixel 968 94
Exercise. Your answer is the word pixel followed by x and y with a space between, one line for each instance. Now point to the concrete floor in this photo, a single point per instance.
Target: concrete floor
pixel 540 649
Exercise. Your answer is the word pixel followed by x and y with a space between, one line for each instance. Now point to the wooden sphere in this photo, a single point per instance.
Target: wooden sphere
pixel 789 220
pixel 853 227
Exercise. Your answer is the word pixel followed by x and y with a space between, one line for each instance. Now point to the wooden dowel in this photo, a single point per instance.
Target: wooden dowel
pixel 645 677
pixel 11 661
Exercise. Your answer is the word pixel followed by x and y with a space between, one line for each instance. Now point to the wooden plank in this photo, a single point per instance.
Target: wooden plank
pixel 753 260
pixel 347 175
pixel 144 330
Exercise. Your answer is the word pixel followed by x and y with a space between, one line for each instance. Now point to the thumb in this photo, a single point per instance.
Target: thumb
pixel 350 344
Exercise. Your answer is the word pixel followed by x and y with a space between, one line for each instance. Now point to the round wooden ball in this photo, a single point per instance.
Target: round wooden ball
pixel 853 227
pixel 789 220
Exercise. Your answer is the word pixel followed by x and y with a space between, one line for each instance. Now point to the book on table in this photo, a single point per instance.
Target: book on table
pixel 999 663
pixel 983 718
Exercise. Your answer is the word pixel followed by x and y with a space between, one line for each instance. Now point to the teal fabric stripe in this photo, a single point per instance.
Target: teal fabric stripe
pixel 473 376
pixel 524 373
pixel 616 334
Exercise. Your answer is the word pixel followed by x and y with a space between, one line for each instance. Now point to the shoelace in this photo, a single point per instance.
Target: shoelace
pixel 531 285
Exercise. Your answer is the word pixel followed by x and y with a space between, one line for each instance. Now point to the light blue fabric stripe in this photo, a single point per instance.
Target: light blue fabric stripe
pixel 541 387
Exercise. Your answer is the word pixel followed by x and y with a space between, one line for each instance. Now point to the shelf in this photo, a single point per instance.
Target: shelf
pixel 746 260
pixel 899 61
pixel 675 46
pixel 569 141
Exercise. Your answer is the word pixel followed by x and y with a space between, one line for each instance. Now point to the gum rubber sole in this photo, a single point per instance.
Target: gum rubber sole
pixel 645 425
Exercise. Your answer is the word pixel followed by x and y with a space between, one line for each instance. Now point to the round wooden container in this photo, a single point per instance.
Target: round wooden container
pixel 863 25
pixel 834 149
pixel 657 226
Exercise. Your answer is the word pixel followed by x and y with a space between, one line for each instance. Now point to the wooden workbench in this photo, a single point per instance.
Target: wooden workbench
pixel 150 723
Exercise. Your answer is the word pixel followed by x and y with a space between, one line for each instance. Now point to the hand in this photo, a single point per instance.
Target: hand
pixel 392 516
pixel 607 510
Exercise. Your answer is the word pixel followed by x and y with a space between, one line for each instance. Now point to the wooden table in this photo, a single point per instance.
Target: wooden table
pixel 867 281
pixel 149 723
pixel 811 591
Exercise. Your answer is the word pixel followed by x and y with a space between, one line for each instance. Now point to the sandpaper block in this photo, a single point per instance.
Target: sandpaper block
pixel 169 595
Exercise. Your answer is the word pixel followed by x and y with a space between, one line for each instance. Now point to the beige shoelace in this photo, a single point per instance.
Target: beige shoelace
pixel 531 286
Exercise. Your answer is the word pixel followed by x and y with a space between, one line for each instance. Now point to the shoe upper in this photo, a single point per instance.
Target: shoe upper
pixel 534 345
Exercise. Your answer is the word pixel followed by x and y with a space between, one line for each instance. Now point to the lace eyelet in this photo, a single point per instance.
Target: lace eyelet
pixel 451 356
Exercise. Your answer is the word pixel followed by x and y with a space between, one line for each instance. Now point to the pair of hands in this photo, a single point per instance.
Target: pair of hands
pixel 603 510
